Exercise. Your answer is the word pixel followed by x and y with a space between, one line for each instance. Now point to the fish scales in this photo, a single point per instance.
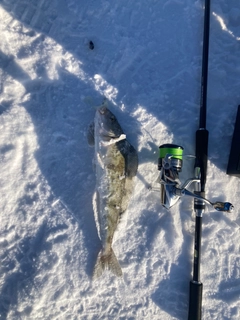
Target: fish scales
pixel 116 165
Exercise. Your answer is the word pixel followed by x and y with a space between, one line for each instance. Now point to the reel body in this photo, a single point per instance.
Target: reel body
pixel 170 163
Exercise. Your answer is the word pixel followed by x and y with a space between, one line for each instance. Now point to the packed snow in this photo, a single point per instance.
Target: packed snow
pixel 58 60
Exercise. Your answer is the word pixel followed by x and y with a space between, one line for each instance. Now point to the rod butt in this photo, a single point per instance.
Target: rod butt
pixel 195 301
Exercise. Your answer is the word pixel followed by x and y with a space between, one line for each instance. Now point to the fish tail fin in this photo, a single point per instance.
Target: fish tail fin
pixel 106 261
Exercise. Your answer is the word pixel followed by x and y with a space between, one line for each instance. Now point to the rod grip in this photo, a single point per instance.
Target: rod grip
pixel 195 301
pixel 202 154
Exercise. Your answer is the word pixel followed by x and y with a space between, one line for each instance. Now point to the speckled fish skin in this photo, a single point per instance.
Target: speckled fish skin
pixel 116 165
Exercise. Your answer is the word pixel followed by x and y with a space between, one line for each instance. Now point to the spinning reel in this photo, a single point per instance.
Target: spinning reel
pixel 170 165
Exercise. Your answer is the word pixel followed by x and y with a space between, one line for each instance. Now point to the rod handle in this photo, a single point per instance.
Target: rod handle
pixel 195 301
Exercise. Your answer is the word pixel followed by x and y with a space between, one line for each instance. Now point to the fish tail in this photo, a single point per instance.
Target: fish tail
pixel 106 261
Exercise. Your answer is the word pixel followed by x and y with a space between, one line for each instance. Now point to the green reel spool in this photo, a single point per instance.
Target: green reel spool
pixel 176 153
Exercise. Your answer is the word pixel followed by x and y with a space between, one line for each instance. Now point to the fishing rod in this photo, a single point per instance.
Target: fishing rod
pixel 196 286
pixel 171 189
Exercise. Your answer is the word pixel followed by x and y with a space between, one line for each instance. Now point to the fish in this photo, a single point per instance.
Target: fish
pixel 116 164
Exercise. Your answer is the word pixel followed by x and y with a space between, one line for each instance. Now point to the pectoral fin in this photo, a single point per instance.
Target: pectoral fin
pixel 130 156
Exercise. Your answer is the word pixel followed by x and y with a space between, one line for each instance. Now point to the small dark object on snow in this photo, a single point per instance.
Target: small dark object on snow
pixel 91 45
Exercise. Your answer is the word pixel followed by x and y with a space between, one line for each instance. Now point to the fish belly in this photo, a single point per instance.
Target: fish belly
pixel 110 169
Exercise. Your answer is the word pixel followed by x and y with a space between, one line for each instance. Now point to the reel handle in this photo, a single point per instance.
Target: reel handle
pixel 218 205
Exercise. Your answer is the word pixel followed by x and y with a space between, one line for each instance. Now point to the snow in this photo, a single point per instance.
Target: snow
pixel 147 62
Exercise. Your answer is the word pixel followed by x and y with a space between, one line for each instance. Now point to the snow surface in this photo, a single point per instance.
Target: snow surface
pixel 147 62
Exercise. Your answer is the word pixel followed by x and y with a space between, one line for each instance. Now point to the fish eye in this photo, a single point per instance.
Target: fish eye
pixel 112 118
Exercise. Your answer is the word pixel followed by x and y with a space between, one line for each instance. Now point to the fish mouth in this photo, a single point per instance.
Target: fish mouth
pixel 102 110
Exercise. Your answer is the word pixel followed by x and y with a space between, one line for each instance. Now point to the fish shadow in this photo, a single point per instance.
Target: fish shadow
pixel 63 153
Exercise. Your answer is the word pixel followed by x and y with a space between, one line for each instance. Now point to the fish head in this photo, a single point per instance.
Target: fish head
pixel 107 125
